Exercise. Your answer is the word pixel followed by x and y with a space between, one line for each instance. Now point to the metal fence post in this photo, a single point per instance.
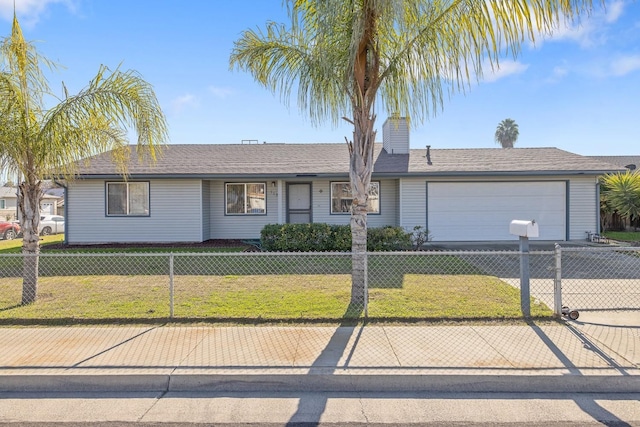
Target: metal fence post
pixel 525 292
pixel 557 283
pixel 366 285
pixel 171 285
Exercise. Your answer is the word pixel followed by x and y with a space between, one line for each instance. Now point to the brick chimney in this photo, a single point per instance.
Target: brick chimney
pixel 395 135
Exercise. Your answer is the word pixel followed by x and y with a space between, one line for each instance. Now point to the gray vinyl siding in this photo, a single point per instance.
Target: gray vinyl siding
pixel 583 206
pixel 413 203
pixel 240 226
pixel 249 226
pixel 175 214
pixel 206 210
pixel 191 210
pixel 388 209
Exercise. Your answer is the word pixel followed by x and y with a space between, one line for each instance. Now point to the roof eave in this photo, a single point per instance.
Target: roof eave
pixel 346 174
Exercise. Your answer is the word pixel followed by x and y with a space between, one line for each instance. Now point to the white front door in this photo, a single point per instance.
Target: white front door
pixel 299 203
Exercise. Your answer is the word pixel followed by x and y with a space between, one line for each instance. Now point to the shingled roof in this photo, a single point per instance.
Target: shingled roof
pixel 230 160
pixel 622 161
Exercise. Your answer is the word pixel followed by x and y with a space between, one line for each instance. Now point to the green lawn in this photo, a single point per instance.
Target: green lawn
pixel 263 297
pixel 249 287
pixel 623 236
pixel 15 246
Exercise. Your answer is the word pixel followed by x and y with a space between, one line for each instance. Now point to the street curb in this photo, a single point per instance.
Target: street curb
pixel 344 382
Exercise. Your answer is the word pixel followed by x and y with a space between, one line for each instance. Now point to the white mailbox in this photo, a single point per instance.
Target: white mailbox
pixel 524 228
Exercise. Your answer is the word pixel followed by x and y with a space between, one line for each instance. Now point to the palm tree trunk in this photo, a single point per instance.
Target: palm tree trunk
pixel 361 166
pixel 29 203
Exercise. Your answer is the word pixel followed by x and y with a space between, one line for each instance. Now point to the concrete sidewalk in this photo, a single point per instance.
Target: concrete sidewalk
pixel 594 354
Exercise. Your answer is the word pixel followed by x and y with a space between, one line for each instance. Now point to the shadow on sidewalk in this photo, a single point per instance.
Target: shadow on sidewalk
pixel 589 405
pixel 330 356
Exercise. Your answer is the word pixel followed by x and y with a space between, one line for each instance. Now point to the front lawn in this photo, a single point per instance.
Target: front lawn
pixel 250 287
pixel 260 298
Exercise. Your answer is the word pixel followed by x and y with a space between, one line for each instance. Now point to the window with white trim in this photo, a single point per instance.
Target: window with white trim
pixel 342 198
pixel 127 199
pixel 245 198
pixel 3 204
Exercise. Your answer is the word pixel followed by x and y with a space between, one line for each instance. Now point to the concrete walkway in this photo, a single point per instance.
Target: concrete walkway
pixel 598 353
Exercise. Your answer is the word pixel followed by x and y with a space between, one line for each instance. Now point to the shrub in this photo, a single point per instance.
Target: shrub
pixel 388 238
pixel 297 237
pixel 320 237
pixel 419 237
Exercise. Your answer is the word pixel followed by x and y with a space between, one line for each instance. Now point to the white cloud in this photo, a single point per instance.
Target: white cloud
pixel 625 65
pixel 220 92
pixel 557 74
pixel 506 68
pixel 183 102
pixel 590 30
pixel 614 11
pixel 29 11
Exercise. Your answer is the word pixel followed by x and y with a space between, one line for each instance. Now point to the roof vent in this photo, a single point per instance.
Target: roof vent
pixel 429 155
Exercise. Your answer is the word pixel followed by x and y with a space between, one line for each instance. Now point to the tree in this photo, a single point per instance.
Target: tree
pixel 620 193
pixel 507 133
pixel 38 143
pixel 344 56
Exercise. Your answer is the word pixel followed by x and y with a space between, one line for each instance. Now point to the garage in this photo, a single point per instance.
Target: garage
pixel 477 211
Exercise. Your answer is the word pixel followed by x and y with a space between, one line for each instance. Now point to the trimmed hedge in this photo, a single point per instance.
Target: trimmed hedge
pixel 320 237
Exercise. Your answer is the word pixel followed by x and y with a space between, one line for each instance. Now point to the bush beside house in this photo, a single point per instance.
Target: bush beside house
pixel 320 237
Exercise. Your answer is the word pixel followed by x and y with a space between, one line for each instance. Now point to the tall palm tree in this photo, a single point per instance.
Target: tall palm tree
pixel 38 143
pixel 507 133
pixel 343 57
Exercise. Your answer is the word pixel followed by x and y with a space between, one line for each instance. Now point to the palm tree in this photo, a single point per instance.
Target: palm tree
pixel 38 143
pixel 343 57
pixel 620 193
pixel 507 133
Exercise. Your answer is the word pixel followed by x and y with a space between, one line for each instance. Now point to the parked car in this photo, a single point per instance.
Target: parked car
pixel 9 230
pixel 51 224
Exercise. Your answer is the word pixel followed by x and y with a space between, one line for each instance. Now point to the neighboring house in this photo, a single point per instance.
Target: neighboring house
pixel 627 162
pixel 9 203
pixel 57 192
pixel 200 192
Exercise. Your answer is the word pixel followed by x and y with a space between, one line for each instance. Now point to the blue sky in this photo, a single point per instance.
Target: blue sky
pixel 578 91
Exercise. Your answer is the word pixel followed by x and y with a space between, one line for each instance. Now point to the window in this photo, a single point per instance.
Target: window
pixel 341 198
pixel 246 199
pixel 127 199
pixel 3 204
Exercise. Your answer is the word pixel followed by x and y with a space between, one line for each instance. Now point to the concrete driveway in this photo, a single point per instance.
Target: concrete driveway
pixel 593 276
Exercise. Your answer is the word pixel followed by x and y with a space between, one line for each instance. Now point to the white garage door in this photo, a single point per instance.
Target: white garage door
pixel 472 211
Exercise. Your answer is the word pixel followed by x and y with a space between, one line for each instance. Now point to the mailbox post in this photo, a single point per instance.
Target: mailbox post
pixel 524 229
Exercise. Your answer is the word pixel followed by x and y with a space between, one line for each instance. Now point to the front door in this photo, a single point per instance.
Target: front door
pixel 299 203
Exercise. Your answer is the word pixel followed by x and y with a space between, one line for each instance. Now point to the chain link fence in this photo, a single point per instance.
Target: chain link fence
pixel 315 287
pixel 601 278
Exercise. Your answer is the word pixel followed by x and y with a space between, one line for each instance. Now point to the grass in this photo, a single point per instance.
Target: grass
pixel 623 236
pixel 90 286
pixel 15 246
pixel 275 297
